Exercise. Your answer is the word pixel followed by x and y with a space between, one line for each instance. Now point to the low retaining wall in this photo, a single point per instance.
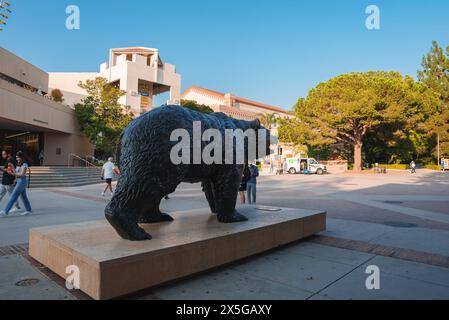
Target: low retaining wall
pixel 335 166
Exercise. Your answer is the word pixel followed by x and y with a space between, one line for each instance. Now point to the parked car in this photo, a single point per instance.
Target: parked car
pixel 304 165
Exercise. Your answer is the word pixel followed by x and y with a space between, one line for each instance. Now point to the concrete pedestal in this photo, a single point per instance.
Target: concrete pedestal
pixel 111 267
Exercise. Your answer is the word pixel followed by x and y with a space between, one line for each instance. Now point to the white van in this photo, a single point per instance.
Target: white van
pixel 304 165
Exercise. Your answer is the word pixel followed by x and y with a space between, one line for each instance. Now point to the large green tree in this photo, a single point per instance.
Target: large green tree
pixel 435 74
pixel 4 12
pixel 101 117
pixel 346 107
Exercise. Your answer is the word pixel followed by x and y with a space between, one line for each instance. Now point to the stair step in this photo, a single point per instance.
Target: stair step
pixel 48 177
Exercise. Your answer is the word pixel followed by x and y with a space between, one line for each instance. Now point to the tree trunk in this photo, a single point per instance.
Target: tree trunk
pixel 358 155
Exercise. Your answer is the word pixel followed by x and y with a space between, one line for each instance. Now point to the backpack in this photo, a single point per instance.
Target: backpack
pixel 29 178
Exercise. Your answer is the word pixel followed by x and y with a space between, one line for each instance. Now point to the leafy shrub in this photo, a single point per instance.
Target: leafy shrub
pixel 432 167
pixel 395 166
pixel 56 95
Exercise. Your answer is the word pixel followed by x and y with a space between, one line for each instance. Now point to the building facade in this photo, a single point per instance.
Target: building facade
pixel 237 107
pixel 244 109
pixel 139 71
pixel 30 121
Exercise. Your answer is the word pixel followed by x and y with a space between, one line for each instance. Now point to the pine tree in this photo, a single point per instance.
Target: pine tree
pixel 4 12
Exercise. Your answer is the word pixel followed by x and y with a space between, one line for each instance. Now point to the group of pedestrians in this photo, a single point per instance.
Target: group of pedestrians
pixel 14 182
pixel 413 166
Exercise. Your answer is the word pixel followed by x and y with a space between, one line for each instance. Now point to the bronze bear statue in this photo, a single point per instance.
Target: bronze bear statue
pixel 148 172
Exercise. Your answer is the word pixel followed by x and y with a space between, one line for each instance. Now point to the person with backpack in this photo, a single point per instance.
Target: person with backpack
pixel 21 174
pixel 7 185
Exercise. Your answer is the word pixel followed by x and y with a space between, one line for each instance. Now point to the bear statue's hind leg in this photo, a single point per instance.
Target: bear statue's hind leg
pixel 227 186
pixel 235 216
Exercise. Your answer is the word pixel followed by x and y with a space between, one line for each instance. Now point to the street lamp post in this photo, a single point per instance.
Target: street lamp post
pixel 438 149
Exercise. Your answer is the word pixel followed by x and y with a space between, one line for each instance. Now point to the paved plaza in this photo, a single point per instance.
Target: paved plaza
pixel 397 221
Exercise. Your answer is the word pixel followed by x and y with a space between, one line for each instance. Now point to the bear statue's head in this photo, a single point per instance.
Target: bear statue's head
pixel 264 140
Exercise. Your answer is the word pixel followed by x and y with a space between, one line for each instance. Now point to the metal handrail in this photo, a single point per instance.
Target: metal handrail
pixel 92 158
pixel 72 155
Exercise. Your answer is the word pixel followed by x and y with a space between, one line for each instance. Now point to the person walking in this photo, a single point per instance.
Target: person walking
pixel 251 183
pixel 41 158
pixel 20 172
pixel 413 167
pixel 108 171
pixel 243 185
pixel 8 180
pixel 442 165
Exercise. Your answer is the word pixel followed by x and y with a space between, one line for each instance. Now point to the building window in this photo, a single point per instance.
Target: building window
pixel 115 84
pixel 58 151
pixel 129 57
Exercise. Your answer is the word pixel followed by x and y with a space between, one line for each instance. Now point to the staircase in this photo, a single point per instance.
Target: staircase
pixel 48 177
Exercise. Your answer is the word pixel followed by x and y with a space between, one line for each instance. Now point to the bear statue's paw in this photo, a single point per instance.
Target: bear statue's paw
pixel 125 227
pixel 155 218
pixel 230 218
pixel 138 234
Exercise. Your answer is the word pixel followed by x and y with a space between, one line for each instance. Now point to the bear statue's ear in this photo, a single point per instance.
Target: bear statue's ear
pixel 255 124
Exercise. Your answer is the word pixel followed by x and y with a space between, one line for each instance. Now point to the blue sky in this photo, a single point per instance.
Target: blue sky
pixel 270 51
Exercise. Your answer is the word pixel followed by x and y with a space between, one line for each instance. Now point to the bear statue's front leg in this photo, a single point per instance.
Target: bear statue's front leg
pixel 124 209
pixel 125 223
pixel 226 188
pixel 208 189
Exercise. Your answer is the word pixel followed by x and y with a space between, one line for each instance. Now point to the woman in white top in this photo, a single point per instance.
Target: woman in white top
pixel 20 190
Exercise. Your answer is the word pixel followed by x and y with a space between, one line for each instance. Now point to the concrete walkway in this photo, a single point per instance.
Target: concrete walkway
pixel 403 217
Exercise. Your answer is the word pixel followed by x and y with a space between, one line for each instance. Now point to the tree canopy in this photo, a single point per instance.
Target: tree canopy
pixel 348 106
pixel 4 12
pixel 268 119
pixel 193 105
pixel 435 71
pixel 435 74
pixel 57 95
pixel 101 117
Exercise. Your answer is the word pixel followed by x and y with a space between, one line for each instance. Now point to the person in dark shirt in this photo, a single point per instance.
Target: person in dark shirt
pixel 7 185
pixel 243 186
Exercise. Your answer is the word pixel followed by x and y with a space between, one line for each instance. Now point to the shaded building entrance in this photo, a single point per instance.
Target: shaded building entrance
pixel 32 143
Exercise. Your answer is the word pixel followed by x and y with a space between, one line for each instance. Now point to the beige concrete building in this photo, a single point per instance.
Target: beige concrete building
pixel 30 121
pixel 237 107
pixel 244 109
pixel 137 70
